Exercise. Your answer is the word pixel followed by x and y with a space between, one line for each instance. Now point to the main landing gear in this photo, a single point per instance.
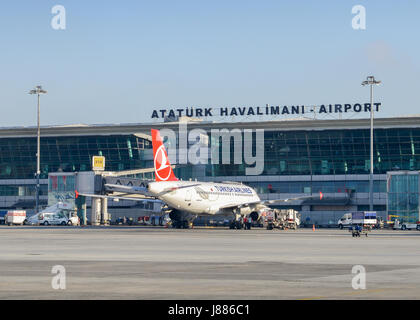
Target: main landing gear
pixel 181 224
pixel 236 225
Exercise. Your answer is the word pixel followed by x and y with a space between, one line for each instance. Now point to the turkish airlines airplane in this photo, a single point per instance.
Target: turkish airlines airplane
pixel 185 200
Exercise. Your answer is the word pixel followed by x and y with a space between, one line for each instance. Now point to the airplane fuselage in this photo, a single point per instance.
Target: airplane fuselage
pixel 205 198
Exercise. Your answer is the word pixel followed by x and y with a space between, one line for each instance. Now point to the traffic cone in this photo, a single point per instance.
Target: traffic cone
pixel 313 227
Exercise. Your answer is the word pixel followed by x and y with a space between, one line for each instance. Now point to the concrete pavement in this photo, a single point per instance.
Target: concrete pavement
pixel 157 263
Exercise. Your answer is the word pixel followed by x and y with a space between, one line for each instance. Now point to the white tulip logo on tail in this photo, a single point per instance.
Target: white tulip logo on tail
pixel 163 169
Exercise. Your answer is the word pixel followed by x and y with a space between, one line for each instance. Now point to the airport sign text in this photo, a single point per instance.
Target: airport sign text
pixel 198 112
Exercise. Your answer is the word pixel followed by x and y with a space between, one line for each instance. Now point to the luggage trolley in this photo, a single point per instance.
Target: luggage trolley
pixel 358 230
pixel 362 223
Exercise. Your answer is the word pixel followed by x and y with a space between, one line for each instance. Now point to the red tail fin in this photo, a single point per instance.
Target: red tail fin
pixel 163 170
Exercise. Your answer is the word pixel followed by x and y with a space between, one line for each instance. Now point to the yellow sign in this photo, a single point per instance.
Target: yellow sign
pixel 98 163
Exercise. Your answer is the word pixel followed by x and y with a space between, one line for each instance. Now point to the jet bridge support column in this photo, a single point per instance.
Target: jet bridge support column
pixel 104 211
pixel 95 211
pixel 84 211
pixel 81 209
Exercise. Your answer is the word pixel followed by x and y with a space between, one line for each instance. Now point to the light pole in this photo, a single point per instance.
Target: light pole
pixel 38 91
pixel 371 81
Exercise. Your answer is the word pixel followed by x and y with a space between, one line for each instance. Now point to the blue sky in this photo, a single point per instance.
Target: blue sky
pixel 118 60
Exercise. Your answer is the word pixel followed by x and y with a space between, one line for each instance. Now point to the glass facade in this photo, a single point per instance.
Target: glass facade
pixel 69 154
pixel 403 196
pixel 294 152
pixel 22 190
pixel 332 152
pixel 328 160
pixel 316 186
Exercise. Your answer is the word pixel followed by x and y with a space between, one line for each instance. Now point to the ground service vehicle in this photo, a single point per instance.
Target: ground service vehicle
pixel 345 221
pixel 362 222
pixel 15 217
pixel 162 220
pixel 281 219
pixel 58 214
pixel 48 218
pixel 366 218
pixel 405 225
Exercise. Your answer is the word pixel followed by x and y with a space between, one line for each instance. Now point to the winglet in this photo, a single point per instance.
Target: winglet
pixel 163 169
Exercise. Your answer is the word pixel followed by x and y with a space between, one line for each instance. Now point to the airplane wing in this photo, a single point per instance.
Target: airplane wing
pixel 290 199
pixel 128 189
pixel 116 198
pixel 267 202
pixel 239 205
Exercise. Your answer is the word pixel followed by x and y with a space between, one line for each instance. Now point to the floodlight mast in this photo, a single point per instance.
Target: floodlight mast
pixel 371 81
pixel 38 91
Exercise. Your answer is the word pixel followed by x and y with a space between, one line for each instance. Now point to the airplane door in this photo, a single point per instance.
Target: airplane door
pixel 188 195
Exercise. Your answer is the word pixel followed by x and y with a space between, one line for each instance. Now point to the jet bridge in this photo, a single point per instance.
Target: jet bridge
pixel 66 186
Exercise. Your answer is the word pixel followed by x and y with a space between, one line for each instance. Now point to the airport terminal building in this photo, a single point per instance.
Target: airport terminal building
pixel 300 157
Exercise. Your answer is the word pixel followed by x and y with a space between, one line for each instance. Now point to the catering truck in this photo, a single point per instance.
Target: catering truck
pixel 366 218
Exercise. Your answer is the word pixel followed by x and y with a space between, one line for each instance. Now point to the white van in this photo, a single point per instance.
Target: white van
pixel 345 221
pixel 55 215
pixel 56 218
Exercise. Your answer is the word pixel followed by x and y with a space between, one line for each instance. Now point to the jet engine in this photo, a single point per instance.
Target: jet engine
pixel 254 216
